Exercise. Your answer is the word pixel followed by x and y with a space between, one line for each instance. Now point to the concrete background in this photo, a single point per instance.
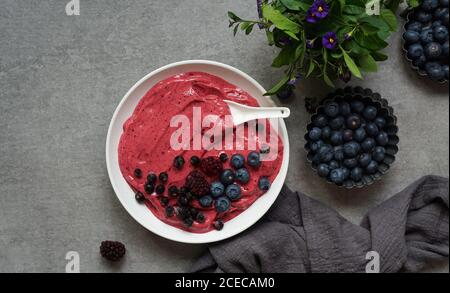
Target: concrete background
pixel 61 78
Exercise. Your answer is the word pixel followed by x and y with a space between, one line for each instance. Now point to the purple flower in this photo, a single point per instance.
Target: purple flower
pixel 294 80
pixel 310 43
pixel 318 11
pixel 347 36
pixel 330 40
pixel 260 14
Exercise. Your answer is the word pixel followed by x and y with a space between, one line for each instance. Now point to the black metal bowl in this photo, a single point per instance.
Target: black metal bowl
pixel 368 97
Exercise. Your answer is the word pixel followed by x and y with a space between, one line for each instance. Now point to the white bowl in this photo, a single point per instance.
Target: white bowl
pixel 126 195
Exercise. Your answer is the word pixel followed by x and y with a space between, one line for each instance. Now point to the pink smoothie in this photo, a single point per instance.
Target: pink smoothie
pixel 145 143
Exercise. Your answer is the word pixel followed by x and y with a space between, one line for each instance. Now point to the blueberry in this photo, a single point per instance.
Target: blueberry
pixel 315 146
pixel 206 201
pixel 415 51
pixel 436 23
pixel 353 121
pixel 323 170
pixel 233 192
pixel 364 160
pixel 195 161
pixel 333 165
pixel 237 161
pixel 439 14
pixel 445 49
pixel 444 18
pixel 314 134
pixel 149 188
pixel 415 26
pixel 217 189
pixel 357 106
pixel 326 132
pixel 326 153
pixel 160 189
pixel 178 162
pixel 337 123
pixel 346 173
pixel 380 122
pixel 285 93
pixel 411 36
pixel 347 135
pixel 223 157
pixel 443 3
pixel 344 109
pixel 430 5
pixel 253 158
pixel 337 176
pixel 351 163
pixel 264 183
pixel 351 149
pixel 372 168
pixel 242 175
pixel 370 113
pixel 368 144
pixel 151 178
pixel 445 69
pixel 218 225
pixel 222 204
pixel 372 129
pixel 427 36
pixel 434 70
pixel 433 50
pixel 320 121
pixel 440 33
pixel 382 138
pixel 138 173
pixel 163 177
pixel 423 16
pixel 339 153
pixel 139 196
pixel 420 62
pixel 356 174
pixel 379 154
pixel 336 137
pixel 360 134
pixel 331 109
pixel 227 177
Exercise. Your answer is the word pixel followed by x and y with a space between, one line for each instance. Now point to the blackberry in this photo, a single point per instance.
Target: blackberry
pixel 195 161
pixel 112 250
pixel 223 157
pixel 212 166
pixel 138 173
pixel 139 196
pixel 218 224
pixel 197 183
pixel 160 189
pixel 163 177
pixel 178 162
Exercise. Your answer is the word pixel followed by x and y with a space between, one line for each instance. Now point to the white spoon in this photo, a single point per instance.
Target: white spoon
pixel 242 113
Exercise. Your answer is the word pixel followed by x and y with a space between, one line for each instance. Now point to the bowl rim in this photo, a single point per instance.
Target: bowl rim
pixel 214 236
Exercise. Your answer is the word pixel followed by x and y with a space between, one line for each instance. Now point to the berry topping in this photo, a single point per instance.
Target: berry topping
pixel 227 177
pixel 200 218
pixel 138 173
pixel 253 159
pixel 195 161
pixel 173 191
pixel 178 162
pixel 139 196
pixel 223 157
pixel 212 166
pixel 222 204
pixel 163 177
pixel 217 189
pixel 170 211
pixel 149 188
pixel 233 192
pixel 112 250
pixel 160 189
pixel 164 200
pixel 242 176
pixel 197 183
pixel 206 201
pixel 151 178
pixel 218 225
pixel 237 161
pixel 264 183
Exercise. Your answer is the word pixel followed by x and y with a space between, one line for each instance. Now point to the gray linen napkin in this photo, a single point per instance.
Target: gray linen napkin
pixel 300 234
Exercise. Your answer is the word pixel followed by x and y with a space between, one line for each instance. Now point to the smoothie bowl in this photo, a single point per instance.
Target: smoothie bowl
pixel 179 165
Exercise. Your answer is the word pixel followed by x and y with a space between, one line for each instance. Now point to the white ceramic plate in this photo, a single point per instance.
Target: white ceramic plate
pixel 126 195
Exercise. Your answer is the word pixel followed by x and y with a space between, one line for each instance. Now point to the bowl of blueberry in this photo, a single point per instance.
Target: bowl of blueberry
pixel 425 39
pixel 352 139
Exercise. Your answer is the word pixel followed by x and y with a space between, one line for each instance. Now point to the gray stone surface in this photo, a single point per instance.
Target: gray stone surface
pixel 61 78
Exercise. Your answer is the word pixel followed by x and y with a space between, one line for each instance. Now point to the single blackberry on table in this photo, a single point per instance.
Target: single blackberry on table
pixel 195 161
pixel 212 166
pixel 197 183
pixel 223 157
pixel 178 162
pixel 163 177
pixel 112 250
pixel 138 173
pixel 139 196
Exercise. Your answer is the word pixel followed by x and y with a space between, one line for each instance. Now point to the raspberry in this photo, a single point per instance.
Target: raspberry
pixel 212 166
pixel 112 250
pixel 197 183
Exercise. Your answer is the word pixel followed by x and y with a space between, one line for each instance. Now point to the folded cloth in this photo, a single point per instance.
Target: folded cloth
pixel 299 234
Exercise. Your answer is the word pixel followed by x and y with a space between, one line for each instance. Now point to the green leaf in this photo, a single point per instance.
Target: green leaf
pixel 249 29
pixel 369 29
pixel 367 63
pixel 327 80
pixel 278 86
pixel 342 5
pixel 354 10
pixel 311 68
pixel 413 3
pixel 379 56
pixel 351 65
pixel 371 42
pixel 270 37
pixel 280 21
pixel 284 57
pixel 233 16
pixel 376 22
pixel 295 5
pixel 389 17
pixel 235 30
